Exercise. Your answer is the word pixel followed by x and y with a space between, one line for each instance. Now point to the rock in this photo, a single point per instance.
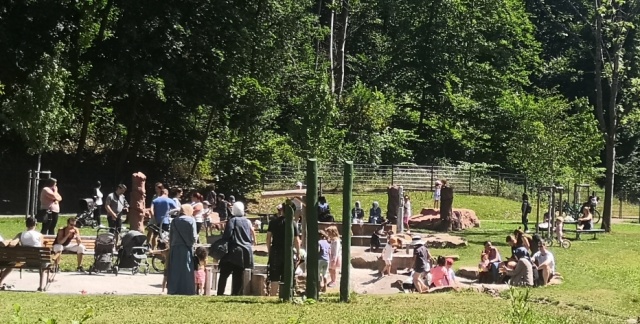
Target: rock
pixel 468 272
pixel 430 219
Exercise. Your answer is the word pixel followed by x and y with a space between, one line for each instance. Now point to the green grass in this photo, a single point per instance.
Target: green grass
pixel 602 285
pixel 442 308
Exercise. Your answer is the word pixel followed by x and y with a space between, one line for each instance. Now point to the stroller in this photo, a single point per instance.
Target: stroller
pixel 105 248
pixel 85 214
pixel 133 253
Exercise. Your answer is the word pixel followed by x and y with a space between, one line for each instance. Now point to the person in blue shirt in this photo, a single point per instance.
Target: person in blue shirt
pixel 161 207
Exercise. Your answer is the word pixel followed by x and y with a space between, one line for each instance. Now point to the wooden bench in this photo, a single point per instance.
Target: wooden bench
pixel 29 258
pixel 594 231
pixel 89 243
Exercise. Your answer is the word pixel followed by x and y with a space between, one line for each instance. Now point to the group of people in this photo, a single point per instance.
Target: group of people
pixel 427 272
pixel 531 262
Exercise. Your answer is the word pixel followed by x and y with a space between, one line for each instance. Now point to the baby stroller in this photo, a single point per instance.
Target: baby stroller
pixel 85 214
pixel 133 253
pixel 105 248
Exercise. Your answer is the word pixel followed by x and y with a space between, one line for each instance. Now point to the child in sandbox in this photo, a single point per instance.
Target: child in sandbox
pixel 335 254
pixel 387 257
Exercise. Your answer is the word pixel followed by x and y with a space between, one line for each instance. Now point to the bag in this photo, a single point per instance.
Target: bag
pixel 43 215
pixel 528 209
pixel 219 249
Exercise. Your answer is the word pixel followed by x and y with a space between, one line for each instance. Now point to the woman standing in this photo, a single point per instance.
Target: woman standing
pixel 240 255
pixel 198 211
pixel 182 238
pixel 49 206
pixel 97 197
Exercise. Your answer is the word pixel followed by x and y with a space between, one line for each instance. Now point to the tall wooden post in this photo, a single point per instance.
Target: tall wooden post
pixel 312 229
pixel 287 291
pixel 347 188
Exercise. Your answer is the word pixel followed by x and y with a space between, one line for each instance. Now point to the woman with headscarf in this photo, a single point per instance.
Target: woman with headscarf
pixel 240 255
pixel 357 213
pixel 181 267
pixel 375 213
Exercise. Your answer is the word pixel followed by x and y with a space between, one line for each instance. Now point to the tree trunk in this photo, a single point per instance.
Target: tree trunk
pixel 610 164
pixel 318 42
pixel 331 56
pixel 344 20
pixel 84 131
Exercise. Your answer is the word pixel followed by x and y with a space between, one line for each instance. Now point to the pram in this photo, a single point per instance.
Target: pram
pixel 105 248
pixel 84 217
pixel 133 253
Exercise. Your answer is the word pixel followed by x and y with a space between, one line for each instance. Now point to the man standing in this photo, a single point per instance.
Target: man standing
pixel 222 208
pixel 275 249
pixel 116 205
pixel 161 208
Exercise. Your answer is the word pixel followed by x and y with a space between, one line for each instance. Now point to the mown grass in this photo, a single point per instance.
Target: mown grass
pixel 441 308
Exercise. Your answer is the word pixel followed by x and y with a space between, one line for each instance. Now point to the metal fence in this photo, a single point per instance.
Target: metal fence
pixel 465 179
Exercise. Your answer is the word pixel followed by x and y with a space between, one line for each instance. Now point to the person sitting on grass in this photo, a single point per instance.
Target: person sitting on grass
pixel 451 274
pixel 522 273
pixel 494 260
pixel 545 262
pixel 586 221
pixel 31 238
pixel 421 265
pixel 68 239
pixel 522 240
pixel 512 260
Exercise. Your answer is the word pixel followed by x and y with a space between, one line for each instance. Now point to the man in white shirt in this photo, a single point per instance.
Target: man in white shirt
pixel 31 238
pixel 97 196
pixel 546 263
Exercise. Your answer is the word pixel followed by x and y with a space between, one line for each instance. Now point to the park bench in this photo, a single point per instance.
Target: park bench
pixel 594 231
pixel 89 243
pixel 29 258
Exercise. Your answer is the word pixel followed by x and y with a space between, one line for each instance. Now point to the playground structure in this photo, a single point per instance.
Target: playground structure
pixel 34 184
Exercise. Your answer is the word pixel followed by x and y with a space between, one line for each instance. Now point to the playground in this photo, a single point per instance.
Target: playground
pixel 600 281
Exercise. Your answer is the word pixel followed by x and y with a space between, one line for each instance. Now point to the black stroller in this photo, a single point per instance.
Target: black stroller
pixel 133 253
pixel 84 217
pixel 105 249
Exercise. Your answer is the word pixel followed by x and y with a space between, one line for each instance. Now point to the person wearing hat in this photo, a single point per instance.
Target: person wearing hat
pixel 436 194
pixel 421 263
pixel 522 273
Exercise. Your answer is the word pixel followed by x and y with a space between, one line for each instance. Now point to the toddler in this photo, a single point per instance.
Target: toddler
pixel 199 274
pixel 484 264
pixel 387 257
pixel 335 254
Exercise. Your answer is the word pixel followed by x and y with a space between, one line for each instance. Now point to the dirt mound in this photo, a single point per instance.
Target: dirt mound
pixel 430 219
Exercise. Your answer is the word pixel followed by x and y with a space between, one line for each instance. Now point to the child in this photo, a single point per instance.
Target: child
pixel 335 254
pixel 206 214
pixel 559 225
pixel 323 259
pixel 165 275
pixel 199 274
pixel 407 212
pixel 387 257
pixel 484 264
pixel 436 195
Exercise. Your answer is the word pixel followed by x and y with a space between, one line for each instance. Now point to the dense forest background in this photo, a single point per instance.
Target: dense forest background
pixel 227 90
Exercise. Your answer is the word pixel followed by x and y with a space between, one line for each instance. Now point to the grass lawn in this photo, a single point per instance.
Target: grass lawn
pixel 601 285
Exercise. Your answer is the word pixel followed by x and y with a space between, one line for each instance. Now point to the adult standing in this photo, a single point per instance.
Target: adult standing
pixel 526 209
pixel 211 195
pixel 240 255
pixel 198 209
pixel 275 248
pixel 221 208
pixel 97 197
pixel 116 205
pixel 49 206
pixel 181 268
pixel 161 208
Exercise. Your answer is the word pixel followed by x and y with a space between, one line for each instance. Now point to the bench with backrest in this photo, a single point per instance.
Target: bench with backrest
pixel 89 243
pixel 29 258
pixel 594 231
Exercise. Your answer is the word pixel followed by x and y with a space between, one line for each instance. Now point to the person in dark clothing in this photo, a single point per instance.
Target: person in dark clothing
pixel 526 210
pixel 275 248
pixel 324 211
pixel 240 255
pixel 211 195
pixel 222 208
pixel 357 213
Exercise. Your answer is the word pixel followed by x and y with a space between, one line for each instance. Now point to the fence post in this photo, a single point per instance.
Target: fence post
pixel 312 229
pixel 393 166
pixel 620 208
pixel 346 231
pixel 498 185
pixel 432 176
pixel 470 172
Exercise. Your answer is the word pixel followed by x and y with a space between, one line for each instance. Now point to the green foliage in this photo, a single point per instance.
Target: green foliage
pixel 19 317
pixel 549 142
pixel 36 111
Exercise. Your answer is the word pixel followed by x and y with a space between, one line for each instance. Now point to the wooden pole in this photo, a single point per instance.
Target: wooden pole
pixel 286 292
pixel 312 229
pixel 346 231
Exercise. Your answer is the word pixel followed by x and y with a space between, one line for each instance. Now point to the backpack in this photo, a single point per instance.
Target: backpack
pixel 528 209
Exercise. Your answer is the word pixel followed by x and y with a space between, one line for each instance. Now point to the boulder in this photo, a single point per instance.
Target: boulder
pixel 430 219
pixel 468 272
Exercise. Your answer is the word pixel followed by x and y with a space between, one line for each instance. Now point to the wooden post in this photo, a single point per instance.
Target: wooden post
pixel 207 281
pixel 246 282
pixel 312 230
pixel 347 186
pixel 286 292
